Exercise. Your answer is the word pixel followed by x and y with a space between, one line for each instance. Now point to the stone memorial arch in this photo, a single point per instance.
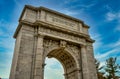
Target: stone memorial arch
pixel 45 33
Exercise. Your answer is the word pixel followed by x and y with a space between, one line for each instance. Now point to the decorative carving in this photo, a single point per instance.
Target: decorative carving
pixel 47 43
pixel 62 35
pixel 50 44
pixel 74 49
pixel 63 43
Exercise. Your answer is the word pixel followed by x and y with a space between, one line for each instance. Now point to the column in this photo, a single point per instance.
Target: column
pixel 85 69
pixel 38 68
pixel 78 73
pixel 91 60
pixel 66 76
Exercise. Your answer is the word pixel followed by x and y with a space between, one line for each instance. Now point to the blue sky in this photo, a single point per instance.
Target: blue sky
pixel 103 17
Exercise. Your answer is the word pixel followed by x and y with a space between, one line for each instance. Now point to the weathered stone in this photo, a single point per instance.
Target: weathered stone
pixel 45 33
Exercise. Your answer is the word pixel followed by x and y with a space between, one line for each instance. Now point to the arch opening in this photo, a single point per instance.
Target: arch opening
pixel 67 61
pixel 53 69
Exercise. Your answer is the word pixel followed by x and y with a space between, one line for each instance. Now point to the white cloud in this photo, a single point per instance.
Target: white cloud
pixel 69 1
pixel 80 5
pixel 118 59
pixel 98 43
pixel 88 5
pixel 102 63
pixel 114 45
pixel 7 27
pixel 107 54
pixel 51 61
pixel 6 32
pixel 5 64
pixel 108 8
pixel 7 43
pixel 112 52
pixel 51 72
pixel 110 16
pixel 69 12
pixel 6 46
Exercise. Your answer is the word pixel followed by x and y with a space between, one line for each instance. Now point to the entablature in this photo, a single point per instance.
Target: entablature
pixel 33 14
pixel 58 32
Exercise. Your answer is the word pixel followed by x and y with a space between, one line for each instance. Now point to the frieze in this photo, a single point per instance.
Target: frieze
pixel 48 43
pixel 61 35
pixel 59 20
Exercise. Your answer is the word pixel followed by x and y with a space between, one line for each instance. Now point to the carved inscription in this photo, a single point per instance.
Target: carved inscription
pixel 62 22
pixel 59 20
pixel 61 35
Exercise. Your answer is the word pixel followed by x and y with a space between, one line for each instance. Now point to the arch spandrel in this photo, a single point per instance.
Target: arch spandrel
pixel 50 45
pixel 75 52
pixel 64 54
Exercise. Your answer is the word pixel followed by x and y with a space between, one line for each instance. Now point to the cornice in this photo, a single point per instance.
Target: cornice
pixel 52 11
pixel 50 26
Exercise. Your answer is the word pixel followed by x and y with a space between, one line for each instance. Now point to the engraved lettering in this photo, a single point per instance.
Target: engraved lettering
pixel 62 21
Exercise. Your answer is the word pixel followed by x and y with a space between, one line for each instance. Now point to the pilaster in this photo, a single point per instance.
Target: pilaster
pixel 92 66
pixel 38 68
pixel 84 60
pixel 79 74
pixel 15 57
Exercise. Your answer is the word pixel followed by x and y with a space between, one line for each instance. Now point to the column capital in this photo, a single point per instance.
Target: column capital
pixel 39 35
pixel 83 46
